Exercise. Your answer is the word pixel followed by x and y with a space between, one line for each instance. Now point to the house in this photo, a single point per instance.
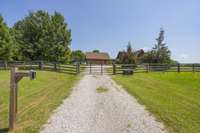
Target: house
pixel 97 58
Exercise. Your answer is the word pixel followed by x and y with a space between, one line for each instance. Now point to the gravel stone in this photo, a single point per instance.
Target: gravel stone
pixel 87 111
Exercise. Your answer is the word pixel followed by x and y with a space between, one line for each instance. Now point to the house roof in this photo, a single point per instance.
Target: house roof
pixel 97 56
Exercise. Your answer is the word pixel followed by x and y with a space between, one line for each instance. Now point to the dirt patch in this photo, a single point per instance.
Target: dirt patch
pixel 102 89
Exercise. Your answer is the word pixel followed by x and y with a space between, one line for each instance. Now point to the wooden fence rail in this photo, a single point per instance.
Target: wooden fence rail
pixel 42 65
pixel 119 68
pixel 112 69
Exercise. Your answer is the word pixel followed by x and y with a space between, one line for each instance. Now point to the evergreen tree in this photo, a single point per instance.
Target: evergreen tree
pixel 161 53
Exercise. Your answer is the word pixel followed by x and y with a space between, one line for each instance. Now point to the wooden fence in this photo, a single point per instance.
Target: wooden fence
pixel 119 68
pixel 113 69
pixel 42 65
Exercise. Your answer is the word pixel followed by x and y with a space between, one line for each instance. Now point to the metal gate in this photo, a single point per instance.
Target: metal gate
pixel 101 69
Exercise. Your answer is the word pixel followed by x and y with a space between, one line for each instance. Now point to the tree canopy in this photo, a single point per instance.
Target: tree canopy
pixel 7 47
pixel 41 36
pixel 129 56
pixel 77 56
pixel 160 52
pixel 96 51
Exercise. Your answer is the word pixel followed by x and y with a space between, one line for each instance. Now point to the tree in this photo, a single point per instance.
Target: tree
pixel 6 42
pixel 139 56
pixel 41 36
pixel 96 51
pixel 129 56
pixel 77 56
pixel 161 53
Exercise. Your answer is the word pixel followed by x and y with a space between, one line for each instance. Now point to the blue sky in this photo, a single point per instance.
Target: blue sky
pixel 108 25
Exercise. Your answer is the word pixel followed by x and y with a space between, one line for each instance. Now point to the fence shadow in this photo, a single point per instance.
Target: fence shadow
pixel 4 130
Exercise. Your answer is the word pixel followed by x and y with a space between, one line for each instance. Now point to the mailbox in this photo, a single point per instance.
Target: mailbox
pixel 32 74
pixel 15 78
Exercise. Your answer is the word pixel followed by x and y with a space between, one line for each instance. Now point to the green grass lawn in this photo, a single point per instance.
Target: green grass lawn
pixel 174 98
pixel 37 99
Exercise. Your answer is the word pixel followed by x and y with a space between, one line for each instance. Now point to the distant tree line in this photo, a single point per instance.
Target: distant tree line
pixel 38 36
pixel 158 54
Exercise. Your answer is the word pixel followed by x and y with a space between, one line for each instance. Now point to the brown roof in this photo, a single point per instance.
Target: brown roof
pixel 97 56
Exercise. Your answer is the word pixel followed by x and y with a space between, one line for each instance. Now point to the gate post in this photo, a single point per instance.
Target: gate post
pixel 101 68
pixel 77 68
pixel 114 69
pixel 90 69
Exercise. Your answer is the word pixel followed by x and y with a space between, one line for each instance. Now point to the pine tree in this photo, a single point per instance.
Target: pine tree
pixel 161 53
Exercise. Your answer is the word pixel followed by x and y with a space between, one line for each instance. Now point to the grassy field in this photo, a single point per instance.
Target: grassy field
pixel 173 98
pixel 37 99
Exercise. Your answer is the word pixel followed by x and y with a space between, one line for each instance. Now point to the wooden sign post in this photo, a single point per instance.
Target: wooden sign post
pixel 15 78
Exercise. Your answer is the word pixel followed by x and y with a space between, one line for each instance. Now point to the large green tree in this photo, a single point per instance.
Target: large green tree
pixel 7 47
pixel 41 36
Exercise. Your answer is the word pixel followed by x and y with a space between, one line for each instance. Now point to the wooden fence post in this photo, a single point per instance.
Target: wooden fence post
pixel 55 66
pixel 24 63
pixel 101 68
pixel 40 65
pixel 77 68
pixel 31 65
pixel 147 68
pixel 5 64
pixel 114 69
pixel 90 68
pixel 178 67
pixel 193 67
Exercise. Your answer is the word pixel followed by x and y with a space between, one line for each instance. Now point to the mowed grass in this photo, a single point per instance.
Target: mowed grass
pixel 174 98
pixel 36 99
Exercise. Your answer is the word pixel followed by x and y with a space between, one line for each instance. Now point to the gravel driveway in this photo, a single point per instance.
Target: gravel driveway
pixel 114 111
